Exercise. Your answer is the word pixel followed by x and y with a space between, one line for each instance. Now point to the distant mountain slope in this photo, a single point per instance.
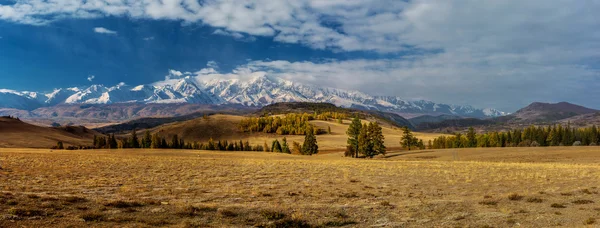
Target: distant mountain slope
pixel 256 91
pixel 15 133
pixel 432 119
pixel 538 112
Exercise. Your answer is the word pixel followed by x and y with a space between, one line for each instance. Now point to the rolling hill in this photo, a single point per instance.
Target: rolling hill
pixel 16 133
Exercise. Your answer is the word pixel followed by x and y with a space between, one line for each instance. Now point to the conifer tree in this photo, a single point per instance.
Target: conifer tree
pixel 471 138
pixel 285 148
pixel 175 142
pixel 276 146
pixel 147 140
pixel 353 132
pixel 310 146
pixel 407 139
pixel 133 141
pixel 377 139
pixel 156 142
pixel 60 146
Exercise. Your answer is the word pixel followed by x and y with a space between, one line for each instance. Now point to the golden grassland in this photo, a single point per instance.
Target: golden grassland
pixel 503 187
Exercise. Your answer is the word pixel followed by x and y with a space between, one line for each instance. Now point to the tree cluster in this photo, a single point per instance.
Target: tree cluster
pixel 290 124
pixel 408 140
pixel 532 136
pixel 364 139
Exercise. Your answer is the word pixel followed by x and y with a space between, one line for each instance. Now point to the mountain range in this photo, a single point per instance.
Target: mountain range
pixel 257 91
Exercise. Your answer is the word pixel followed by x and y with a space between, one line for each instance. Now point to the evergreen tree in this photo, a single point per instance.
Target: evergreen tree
pixel 407 140
pixel 310 146
pixel 156 142
pixel 175 142
pixel 377 139
pixel 471 138
pixel 266 147
pixel 276 146
pixel 60 146
pixel 353 132
pixel 285 148
pixel 133 141
pixel 112 143
pixel 329 130
pixel 147 140
pixel 365 145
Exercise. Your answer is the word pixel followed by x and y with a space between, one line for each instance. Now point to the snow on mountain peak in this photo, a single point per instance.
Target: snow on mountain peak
pixel 254 89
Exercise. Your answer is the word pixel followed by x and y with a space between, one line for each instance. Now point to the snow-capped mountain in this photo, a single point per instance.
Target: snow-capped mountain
pixel 258 90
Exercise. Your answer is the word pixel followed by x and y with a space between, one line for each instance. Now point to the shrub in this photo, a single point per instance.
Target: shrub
pixel 589 221
pixel 515 197
pixel 489 202
pixel 577 143
pixel 535 144
pixel 123 204
pixel 291 223
pixel 558 205
pixel 534 200
pixel 92 217
pixel 582 202
pixel 26 212
pixel 272 215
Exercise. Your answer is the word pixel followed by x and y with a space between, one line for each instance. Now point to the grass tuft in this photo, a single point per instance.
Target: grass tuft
pixel 534 200
pixel 515 197
pixel 272 215
pixel 581 201
pixel 558 205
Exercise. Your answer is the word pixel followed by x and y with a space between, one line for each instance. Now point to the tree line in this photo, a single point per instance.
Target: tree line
pixel 532 136
pixel 155 141
pixel 364 139
pixel 290 124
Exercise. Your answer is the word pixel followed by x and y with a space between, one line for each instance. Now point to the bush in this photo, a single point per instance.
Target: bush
pixel 515 197
pixel 535 144
pixel 577 143
pixel 534 200
pixel 558 205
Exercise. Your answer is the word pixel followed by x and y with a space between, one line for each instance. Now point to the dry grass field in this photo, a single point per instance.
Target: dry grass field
pixel 509 187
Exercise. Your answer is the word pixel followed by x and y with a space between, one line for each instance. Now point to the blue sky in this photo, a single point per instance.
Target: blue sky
pixel 503 54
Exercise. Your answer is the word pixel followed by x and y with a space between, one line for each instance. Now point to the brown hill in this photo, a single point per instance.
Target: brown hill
pixel 538 112
pixel 16 133
pixel 225 127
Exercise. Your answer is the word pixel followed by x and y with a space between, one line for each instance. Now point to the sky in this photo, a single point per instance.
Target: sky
pixel 503 54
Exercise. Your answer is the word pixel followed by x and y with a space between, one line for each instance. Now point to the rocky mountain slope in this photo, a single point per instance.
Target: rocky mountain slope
pixel 257 91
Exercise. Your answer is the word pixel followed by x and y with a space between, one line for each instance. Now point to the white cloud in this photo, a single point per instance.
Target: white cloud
pixel 104 31
pixel 236 35
pixel 91 78
pixel 149 38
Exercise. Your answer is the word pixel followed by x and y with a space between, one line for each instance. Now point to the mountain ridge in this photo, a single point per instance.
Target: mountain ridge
pixel 256 91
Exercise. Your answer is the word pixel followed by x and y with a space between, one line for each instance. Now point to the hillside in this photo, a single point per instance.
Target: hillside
pixel 225 127
pixel 538 112
pixel 431 119
pixel 15 133
pixel 308 107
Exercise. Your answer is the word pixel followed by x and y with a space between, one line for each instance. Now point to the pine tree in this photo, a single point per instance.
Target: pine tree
pixel 471 138
pixel 285 147
pixel 147 140
pixel 377 139
pixel 329 130
pixel 266 147
pixel 276 146
pixel 133 141
pixel 407 139
pixel 365 146
pixel 310 146
pixel 60 146
pixel 175 142
pixel 113 142
pixel 155 142
pixel 353 132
